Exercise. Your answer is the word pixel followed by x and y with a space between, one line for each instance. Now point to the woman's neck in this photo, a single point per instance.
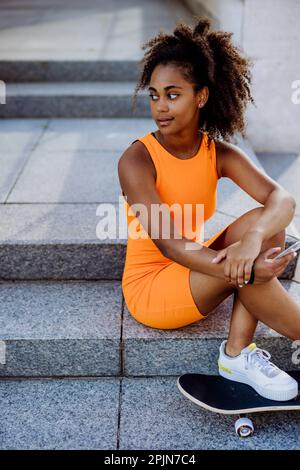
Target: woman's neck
pixel 181 147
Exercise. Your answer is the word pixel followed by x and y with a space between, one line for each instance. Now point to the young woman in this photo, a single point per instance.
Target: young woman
pixel 198 84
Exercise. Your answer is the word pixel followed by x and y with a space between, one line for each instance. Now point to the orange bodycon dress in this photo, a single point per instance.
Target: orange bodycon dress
pixel 156 289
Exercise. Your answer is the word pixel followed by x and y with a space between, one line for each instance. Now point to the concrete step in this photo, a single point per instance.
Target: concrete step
pixel 67 329
pixel 55 175
pixel 83 30
pixel 60 328
pixel 64 242
pixel 284 168
pixel 128 413
pixel 73 99
pixel 194 348
pixel 155 416
pixel 59 414
pixel 32 71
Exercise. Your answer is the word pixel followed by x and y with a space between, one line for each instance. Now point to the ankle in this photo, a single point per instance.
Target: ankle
pixel 232 351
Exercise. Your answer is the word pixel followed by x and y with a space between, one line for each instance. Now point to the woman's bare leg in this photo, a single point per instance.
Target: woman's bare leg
pixel 271 304
pixel 242 328
pixel 243 323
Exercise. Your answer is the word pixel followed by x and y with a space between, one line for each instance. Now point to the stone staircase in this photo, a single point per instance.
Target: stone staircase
pixel 66 330
pixel 77 371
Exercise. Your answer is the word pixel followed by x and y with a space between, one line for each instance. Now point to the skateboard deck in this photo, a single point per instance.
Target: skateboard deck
pixel 220 395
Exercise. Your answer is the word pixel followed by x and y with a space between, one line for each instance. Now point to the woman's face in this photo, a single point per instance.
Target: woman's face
pixel 173 98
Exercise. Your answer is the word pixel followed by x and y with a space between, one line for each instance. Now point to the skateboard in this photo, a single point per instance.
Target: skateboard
pixel 220 395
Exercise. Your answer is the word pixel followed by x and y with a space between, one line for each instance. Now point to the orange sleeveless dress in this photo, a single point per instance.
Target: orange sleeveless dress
pixel 156 289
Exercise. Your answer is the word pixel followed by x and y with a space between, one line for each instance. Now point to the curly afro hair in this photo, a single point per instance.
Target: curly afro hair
pixel 206 58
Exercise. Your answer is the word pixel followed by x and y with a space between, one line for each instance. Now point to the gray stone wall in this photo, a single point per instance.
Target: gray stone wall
pixel 269 33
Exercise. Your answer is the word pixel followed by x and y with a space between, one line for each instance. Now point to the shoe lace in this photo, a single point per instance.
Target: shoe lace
pixel 260 358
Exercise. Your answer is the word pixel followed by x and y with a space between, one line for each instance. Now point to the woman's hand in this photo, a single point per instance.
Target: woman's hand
pixel 240 257
pixel 265 269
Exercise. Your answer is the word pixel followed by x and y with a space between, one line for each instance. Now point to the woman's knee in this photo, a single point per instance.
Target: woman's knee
pixel 235 231
pixel 277 240
pixel 208 291
pixel 294 330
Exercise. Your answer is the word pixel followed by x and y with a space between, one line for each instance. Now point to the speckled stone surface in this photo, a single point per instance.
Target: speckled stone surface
pixel 85 30
pixel 75 328
pixel 65 70
pixel 63 239
pixel 284 168
pixel 18 139
pixel 93 134
pixel 10 167
pixel 76 100
pixel 19 135
pixel 155 415
pixel 57 223
pixel 68 177
pixel 59 414
pixel 62 261
pixel 60 328
pixel 194 348
pixel 232 200
pixel 151 413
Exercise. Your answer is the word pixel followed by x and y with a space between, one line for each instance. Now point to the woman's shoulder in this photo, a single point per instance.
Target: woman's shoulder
pixel 223 148
pixel 220 148
pixel 136 152
pixel 136 157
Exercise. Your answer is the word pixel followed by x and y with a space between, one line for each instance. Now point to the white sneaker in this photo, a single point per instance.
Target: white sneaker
pixel 252 367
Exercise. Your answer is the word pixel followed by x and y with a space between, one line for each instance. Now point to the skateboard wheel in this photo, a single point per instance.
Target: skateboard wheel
pixel 244 427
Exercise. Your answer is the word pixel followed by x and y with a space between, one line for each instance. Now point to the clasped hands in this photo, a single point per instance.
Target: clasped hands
pixel 240 257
